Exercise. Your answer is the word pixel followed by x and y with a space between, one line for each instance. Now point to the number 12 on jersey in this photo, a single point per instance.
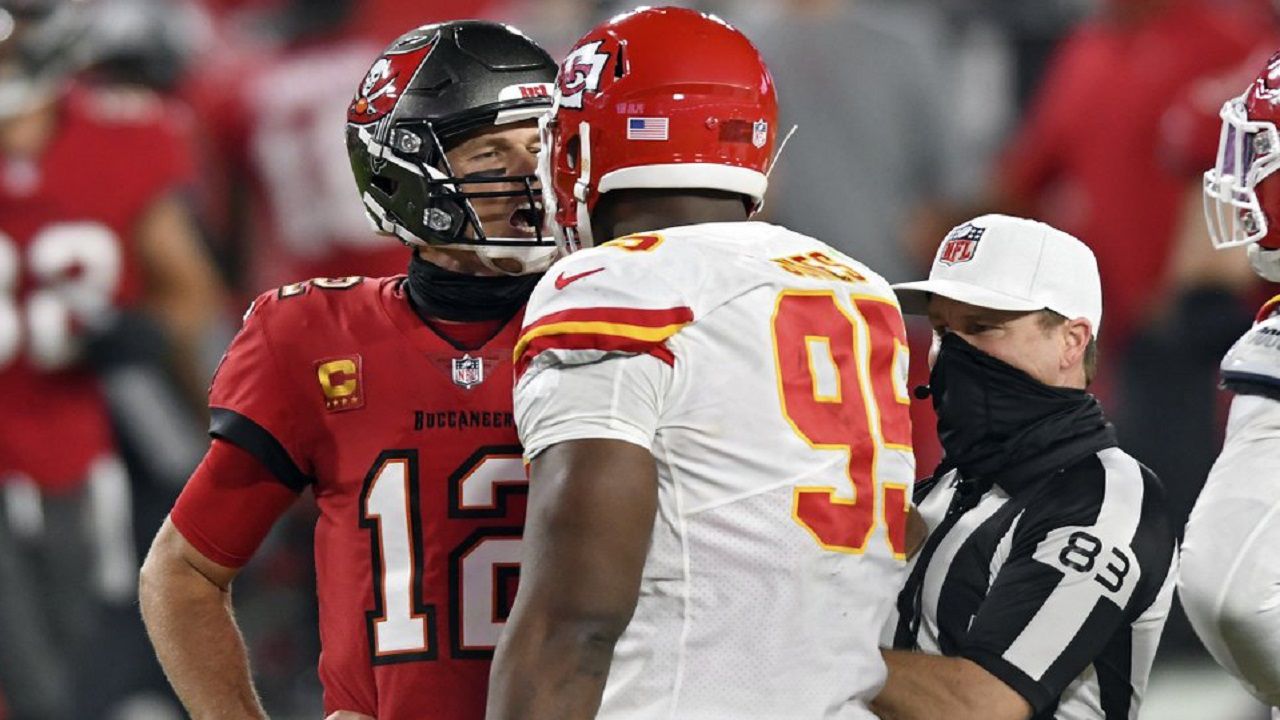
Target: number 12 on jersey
pixel 841 380
pixel 402 626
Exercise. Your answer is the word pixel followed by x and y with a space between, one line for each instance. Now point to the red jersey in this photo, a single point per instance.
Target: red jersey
pixel 412 453
pixel 1094 153
pixel 67 219
pixel 277 120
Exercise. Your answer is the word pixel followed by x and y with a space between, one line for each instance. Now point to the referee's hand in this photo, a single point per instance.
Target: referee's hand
pixel 348 715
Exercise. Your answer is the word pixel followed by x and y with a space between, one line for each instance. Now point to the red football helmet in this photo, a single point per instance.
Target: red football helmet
pixel 656 98
pixel 1241 200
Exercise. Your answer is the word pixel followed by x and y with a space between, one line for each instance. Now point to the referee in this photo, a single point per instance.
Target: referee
pixel 1047 574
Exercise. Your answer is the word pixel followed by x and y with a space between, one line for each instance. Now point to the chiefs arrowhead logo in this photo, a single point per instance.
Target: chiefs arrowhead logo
pixel 382 85
pixel 1267 86
pixel 581 73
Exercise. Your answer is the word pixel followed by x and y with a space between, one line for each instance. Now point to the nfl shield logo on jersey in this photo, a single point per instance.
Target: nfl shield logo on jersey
pixel 960 244
pixel 468 371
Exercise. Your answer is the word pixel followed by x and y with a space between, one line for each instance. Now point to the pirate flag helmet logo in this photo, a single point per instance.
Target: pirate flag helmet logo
pixel 390 74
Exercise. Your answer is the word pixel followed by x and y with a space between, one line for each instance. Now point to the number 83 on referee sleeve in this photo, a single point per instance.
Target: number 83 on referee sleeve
pixel 842 384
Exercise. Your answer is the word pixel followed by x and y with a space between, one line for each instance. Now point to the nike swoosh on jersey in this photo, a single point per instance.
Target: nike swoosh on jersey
pixel 563 280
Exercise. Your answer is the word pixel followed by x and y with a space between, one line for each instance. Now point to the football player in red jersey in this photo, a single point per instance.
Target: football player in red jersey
pixel 96 250
pixel 390 398
pixel 279 191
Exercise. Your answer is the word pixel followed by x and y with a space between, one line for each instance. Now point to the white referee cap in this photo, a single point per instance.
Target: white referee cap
pixel 1010 263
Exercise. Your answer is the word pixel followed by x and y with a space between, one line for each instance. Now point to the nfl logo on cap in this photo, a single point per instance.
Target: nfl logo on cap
pixel 468 371
pixel 1025 265
pixel 960 244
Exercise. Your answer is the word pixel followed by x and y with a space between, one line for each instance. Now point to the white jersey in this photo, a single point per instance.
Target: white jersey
pixel 1229 582
pixel 766 372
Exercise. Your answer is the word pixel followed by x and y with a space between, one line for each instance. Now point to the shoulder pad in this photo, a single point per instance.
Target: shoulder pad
pixel 1255 358
pixel 306 286
pixel 293 298
pixel 1269 308
pixel 623 273
pixel 603 300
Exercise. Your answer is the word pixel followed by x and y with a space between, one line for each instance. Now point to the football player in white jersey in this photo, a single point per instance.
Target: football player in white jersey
pixel 1229 581
pixel 715 410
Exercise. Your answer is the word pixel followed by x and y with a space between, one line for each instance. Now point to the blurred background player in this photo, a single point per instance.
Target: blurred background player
pixel 280 189
pixel 1117 178
pixel 1230 577
pixel 714 410
pixel 107 296
pixel 389 397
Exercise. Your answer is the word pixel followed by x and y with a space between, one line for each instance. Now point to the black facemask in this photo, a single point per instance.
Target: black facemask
pixel 994 420
pixel 459 297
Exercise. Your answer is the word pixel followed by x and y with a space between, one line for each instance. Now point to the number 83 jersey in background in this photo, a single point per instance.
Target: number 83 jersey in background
pixel 409 446
pixel 766 372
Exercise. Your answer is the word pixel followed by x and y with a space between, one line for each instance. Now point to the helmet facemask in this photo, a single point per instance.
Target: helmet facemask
pixel 565 176
pixel 409 166
pixel 547 135
pixel 1248 153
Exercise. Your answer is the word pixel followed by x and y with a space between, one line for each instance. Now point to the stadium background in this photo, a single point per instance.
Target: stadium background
pixel 1095 115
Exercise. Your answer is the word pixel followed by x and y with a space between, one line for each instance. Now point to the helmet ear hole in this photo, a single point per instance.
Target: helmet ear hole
pixel 573 152
pixel 620 65
pixel 385 184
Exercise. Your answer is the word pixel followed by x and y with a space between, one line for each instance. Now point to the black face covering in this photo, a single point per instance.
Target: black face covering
pixel 459 297
pixel 997 422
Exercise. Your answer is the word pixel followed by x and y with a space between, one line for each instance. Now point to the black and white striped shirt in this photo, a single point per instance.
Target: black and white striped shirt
pixel 1059 586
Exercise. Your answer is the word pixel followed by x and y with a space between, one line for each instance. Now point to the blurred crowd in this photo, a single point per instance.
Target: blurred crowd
pixel 1097 116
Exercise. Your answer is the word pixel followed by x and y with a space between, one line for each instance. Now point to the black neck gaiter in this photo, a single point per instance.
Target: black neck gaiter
pixel 459 297
pixel 998 423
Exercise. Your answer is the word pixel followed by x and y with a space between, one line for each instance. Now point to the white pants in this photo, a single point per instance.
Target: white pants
pixel 1229 580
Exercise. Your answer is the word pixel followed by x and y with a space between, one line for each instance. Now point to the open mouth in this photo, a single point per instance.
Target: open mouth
pixel 527 220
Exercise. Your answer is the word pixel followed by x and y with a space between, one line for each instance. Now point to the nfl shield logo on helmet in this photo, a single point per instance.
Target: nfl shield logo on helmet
pixel 960 244
pixel 468 371
pixel 760 133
